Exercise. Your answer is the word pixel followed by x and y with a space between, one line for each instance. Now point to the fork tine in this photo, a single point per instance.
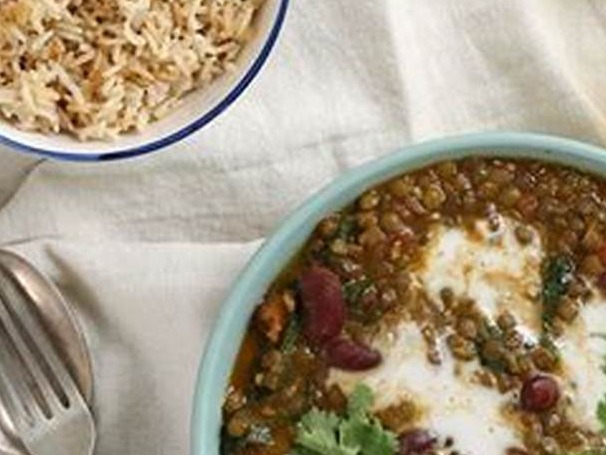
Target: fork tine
pixel 13 402
pixel 18 314
pixel 27 355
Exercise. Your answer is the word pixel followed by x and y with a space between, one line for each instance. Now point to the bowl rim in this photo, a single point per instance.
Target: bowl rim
pixel 223 104
pixel 225 338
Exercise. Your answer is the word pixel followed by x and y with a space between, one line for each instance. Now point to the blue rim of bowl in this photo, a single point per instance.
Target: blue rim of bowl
pixel 182 133
pixel 265 265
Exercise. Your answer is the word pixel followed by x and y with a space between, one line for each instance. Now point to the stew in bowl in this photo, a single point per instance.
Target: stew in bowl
pixel 456 308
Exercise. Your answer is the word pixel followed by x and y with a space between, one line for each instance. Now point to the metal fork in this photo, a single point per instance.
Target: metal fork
pixel 42 400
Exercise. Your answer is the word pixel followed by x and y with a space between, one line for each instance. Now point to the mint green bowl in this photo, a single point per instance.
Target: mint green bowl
pixel 280 247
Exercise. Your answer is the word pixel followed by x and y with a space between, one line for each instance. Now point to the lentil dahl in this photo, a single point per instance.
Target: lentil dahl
pixel 355 279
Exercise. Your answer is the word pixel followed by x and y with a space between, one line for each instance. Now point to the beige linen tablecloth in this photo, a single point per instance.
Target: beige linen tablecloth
pixel 146 249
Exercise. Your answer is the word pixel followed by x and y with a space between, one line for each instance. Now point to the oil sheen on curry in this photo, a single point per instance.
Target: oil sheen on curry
pixel 459 309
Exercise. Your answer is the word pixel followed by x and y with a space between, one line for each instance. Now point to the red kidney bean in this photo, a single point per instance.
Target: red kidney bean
pixel 417 442
pixel 351 356
pixel 539 393
pixel 323 304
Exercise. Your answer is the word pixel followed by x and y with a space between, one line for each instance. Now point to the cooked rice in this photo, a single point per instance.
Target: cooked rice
pixel 98 68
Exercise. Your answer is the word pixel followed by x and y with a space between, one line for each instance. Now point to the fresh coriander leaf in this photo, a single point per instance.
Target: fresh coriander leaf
pixel 291 334
pixel 362 430
pixel 368 436
pixel 358 433
pixel 556 279
pixel 354 290
pixel 380 441
pixel 324 255
pixel 318 433
pixel 546 341
pixel 353 432
pixel 321 425
pixel 347 227
pixel 302 451
pixel 360 401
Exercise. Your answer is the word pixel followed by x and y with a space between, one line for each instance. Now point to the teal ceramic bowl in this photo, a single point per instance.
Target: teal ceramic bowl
pixel 287 240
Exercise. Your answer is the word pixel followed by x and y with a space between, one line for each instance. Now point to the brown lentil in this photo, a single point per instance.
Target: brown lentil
pixel 461 348
pixel 544 359
pixel 510 196
pixel 466 327
pixel 568 309
pixel 434 197
pixel 398 417
pixel 370 200
pixel 506 321
pixel 372 236
pixel 391 222
pixel 524 234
